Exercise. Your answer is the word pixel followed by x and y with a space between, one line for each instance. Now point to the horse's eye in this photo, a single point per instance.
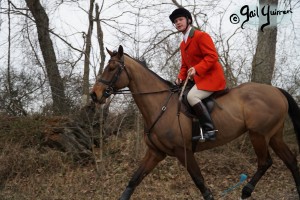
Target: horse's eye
pixel 111 68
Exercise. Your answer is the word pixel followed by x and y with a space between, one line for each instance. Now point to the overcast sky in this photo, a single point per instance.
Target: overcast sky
pixel 71 20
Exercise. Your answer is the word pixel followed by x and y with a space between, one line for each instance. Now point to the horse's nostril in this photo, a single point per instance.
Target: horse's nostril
pixel 93 96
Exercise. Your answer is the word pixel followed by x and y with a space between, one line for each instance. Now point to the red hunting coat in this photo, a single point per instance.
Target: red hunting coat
pixel 199 52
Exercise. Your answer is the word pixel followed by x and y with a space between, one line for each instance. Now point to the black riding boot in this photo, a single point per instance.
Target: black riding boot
pixel 209 131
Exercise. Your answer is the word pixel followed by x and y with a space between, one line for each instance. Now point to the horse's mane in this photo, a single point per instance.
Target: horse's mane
pixel 144 64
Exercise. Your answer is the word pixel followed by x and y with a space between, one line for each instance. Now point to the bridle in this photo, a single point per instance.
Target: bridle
pixel 110 84
pixel 111 90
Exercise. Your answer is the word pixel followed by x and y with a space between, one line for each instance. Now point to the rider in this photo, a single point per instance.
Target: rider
pixel 199 62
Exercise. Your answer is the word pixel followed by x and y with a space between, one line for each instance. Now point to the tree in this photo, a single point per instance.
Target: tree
pixel 88 45
pixel 264 59
pixel 100 38
pixel 148 33
pixel 60 105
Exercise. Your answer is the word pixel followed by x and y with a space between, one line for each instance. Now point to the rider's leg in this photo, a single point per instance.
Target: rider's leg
pixel 194 98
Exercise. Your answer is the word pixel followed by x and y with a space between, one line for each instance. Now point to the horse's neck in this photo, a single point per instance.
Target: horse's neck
pixel 144 81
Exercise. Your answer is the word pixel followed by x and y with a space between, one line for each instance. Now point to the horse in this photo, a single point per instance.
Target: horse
pixel 257 109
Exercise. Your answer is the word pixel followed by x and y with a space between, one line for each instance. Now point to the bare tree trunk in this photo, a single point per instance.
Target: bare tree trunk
pixel 104 110
pixel 60 105
pixel 264 59
pixel 100 37
pixel 9 86
pixel 101 123
pixel 88 44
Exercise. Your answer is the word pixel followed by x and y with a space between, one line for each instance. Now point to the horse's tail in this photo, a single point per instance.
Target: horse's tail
pixel 294 113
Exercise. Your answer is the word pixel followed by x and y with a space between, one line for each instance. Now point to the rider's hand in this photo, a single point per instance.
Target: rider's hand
pixel 178 81
pixel 191 72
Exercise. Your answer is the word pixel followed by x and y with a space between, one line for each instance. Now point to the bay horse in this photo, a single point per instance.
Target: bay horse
pixel 257 109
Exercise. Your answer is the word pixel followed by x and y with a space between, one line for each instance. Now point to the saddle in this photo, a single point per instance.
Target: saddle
pixel 187 110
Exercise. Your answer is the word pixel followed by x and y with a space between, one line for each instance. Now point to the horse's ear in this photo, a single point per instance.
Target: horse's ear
pixel 109 52
pixel 120 51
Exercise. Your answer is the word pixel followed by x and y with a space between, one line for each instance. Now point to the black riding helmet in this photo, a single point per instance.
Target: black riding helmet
pixel 180 12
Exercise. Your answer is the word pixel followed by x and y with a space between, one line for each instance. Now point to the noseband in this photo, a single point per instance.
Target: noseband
pixel 110 84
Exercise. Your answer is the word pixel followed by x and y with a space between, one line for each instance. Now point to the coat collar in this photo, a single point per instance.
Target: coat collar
pixel 192 32
pixel 191 35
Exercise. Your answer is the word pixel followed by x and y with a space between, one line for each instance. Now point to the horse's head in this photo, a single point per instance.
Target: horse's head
pixel 113 78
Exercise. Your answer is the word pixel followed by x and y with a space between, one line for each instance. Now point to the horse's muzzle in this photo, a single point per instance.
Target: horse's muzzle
pixel 94 96
pixel 96 100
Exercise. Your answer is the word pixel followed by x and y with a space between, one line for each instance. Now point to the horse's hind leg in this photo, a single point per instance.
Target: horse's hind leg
pixel 264 161
pixel 149 162
pixel 289 159
pixel 194 171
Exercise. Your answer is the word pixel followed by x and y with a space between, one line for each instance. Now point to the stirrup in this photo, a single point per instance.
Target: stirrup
pixel 210 135
pixel 207 136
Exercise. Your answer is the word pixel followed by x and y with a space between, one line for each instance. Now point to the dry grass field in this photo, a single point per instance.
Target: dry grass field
pixel 29 171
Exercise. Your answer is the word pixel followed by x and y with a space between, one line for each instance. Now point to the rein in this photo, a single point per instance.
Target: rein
pixel 111 90
pixel 178 118
pixel 141 93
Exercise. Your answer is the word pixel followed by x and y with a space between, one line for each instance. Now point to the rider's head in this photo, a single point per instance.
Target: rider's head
pixel 181 18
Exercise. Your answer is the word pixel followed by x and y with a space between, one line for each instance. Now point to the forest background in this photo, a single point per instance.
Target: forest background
pixel 52 51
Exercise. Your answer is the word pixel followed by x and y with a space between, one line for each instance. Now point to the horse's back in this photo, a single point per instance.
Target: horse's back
pixel 260 106
pixel 262 96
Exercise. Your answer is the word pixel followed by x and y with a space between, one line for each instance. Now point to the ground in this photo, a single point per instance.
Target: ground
pixel 46 174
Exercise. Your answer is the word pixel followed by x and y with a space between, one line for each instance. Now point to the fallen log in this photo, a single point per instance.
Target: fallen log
pixel 74 135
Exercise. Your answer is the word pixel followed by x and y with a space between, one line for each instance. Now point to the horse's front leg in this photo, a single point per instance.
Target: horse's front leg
pixel 188 160
pixel 151 159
